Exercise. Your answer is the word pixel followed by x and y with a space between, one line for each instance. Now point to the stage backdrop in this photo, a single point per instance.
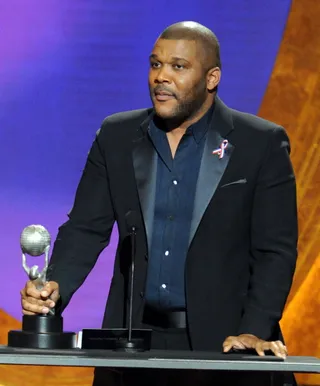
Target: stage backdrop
pixel 64 66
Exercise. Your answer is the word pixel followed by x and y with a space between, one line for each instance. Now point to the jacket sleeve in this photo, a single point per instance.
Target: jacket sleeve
pixel 274 234
pixel 87 232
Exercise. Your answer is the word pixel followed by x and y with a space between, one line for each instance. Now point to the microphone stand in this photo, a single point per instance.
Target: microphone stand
pixel 137 339
pixel 129 340
pixel 133 249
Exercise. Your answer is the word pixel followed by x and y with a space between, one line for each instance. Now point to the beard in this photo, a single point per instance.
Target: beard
pixel 186 107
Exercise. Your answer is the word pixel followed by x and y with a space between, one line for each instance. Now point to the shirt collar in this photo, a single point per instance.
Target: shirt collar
pixel 200 128
pixel 197 129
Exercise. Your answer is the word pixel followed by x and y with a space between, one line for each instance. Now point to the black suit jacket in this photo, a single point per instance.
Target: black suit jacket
pixel 243 240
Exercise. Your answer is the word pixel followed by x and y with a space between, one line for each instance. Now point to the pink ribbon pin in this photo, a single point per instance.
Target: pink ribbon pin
pixel 222 148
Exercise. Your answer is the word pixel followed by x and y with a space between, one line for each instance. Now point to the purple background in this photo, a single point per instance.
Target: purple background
pixel 64 66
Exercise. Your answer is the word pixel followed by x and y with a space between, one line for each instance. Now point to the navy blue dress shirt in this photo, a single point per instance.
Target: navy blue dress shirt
pixel 176 182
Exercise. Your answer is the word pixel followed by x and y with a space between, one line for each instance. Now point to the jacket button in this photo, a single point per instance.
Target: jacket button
pixel 141 294
pixel 146 256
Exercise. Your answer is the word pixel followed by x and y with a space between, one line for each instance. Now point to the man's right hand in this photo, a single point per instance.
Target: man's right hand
pixel 35 301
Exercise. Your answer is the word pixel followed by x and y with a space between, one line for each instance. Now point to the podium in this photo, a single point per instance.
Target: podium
pixel 155 359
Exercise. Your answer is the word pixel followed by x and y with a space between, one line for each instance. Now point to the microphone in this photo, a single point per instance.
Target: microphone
pixel 132 219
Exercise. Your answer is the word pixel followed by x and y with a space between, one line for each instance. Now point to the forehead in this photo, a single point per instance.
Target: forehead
pixel 167 49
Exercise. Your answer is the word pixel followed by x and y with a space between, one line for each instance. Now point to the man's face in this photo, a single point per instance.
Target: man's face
pixel 177 80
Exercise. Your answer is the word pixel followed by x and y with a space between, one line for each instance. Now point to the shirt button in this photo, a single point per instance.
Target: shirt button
pixel 175 182
pixel 170 218
pixel 166 253
pixel 163 286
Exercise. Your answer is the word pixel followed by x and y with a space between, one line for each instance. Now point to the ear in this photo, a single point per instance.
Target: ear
pixel 213 78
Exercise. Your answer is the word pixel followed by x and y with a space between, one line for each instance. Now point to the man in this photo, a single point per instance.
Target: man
pixel 215 196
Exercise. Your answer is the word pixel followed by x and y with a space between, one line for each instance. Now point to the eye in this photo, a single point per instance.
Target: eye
pixel 178 66
pixel 154 64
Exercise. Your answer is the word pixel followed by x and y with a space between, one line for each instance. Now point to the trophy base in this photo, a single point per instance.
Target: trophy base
pixel 42 331
pixel 49 340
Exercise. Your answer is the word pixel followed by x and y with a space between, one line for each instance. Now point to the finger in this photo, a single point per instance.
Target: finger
pixel 228 340
pixel 272 346
pixel 282 347
pixel 35 308
pixel 239 346
pixel 277 350
pixel 44 303
pixel 260 348
pixel 233 342
pixel 55 296
pixel 49 289
pixel 227 347
pixel 31 300
pixel 31 290
pixel 28 312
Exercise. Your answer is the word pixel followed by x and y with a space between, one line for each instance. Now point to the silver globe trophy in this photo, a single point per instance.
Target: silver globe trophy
pixel 39 331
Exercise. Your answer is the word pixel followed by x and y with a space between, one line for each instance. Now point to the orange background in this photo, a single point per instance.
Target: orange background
pixel 292 99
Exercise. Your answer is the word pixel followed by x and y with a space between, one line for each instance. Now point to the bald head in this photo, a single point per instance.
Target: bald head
pixel 190 30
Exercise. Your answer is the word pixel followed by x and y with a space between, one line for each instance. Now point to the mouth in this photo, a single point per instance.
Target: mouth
pixel 162 96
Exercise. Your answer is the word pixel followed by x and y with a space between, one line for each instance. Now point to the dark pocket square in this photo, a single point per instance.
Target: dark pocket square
pixel 241 181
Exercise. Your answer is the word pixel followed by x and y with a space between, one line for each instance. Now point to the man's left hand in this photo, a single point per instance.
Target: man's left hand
pixel 248 341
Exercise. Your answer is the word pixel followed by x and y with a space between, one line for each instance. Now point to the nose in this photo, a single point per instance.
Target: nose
pixel 162 75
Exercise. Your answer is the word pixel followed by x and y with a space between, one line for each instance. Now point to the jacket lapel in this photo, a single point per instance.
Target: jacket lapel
pixel 145 169
pixel 212 167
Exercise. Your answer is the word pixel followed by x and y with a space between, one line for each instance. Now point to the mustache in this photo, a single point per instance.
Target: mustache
pixel 163 89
